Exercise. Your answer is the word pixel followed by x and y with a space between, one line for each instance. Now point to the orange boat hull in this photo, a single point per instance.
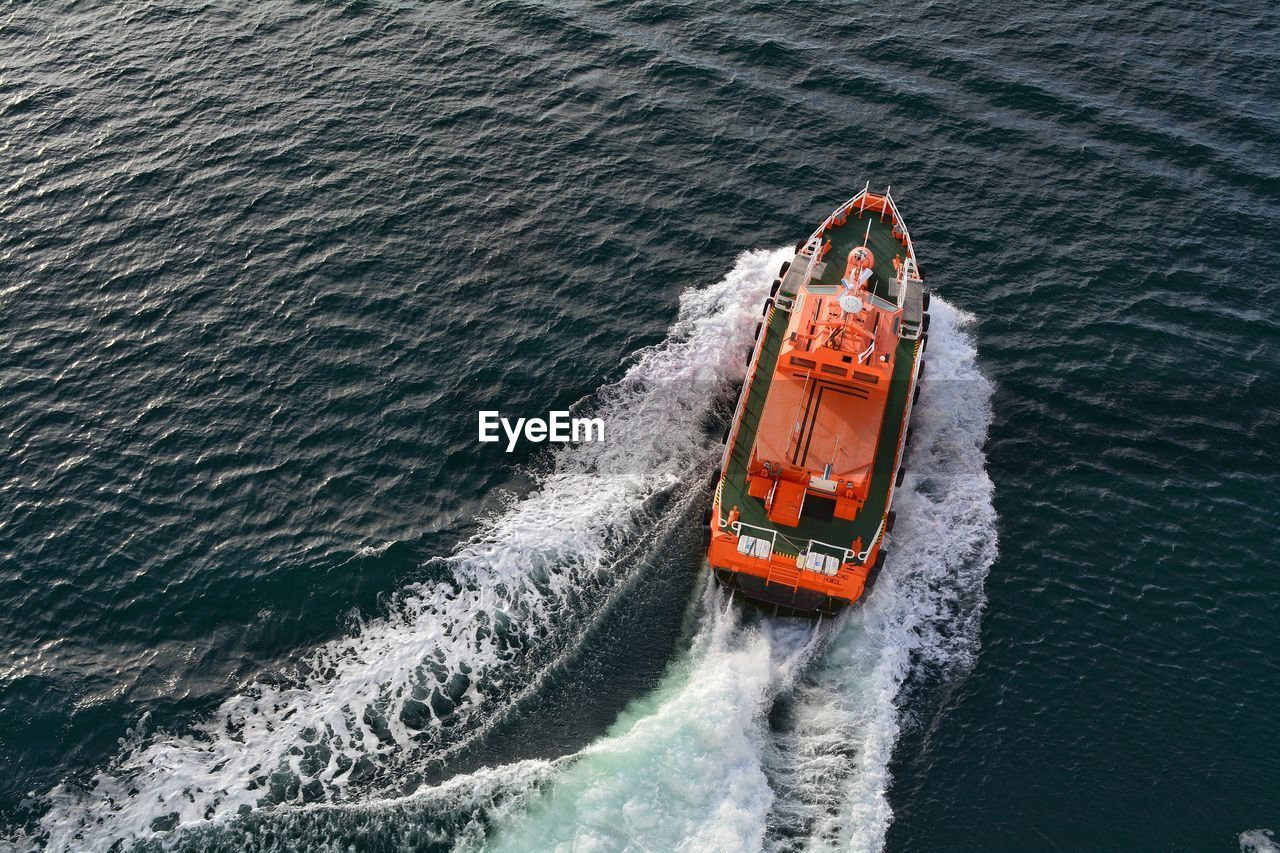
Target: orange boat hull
pixel 801 517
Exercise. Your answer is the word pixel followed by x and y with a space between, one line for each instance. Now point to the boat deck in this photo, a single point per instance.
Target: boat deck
pixel 813 525
pixel 880 241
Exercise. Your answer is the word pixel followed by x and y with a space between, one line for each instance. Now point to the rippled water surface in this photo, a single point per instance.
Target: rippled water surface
pixel 260 587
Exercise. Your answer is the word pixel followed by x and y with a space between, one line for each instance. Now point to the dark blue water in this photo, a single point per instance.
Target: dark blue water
pixel 260 267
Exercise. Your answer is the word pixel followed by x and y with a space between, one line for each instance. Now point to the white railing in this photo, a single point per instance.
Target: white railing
pixel 908 274
pixel 746 389
pixel 906 235
pixel 814 244
pixel 866 552
pixel 737 526
pixel 814 247
pixel 845 555
pixel 842 553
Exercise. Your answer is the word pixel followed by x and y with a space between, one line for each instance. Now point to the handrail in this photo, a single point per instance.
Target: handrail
pixel 843 552
pixel 814 243
pixel 746 390
pixel 906 235
pixel 774 535
pixel 909 273
pixel 737 526
pixel 866 552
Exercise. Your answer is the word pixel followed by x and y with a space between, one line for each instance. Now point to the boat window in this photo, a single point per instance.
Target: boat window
pixel 882 303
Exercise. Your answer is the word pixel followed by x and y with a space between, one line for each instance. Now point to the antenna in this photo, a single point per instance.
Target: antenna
pixel 867 236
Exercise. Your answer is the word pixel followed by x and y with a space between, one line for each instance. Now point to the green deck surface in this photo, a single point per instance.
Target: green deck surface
pixel 880 241
pixel 838 532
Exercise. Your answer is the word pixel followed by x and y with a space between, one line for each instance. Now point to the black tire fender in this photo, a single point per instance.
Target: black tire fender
pixel 874 574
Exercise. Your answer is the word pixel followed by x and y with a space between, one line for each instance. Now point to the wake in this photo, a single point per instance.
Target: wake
pixel 681 770
pixel 767 734
pixel 777 734
pixel 364 716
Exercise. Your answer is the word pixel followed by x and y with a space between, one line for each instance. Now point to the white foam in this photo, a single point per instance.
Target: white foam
pixel 362 705
pixel 366 551
pixel 681 770
pixel 695 766
pixel 1258 841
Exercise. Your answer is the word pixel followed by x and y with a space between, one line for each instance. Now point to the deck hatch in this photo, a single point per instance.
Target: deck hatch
pixel 819 508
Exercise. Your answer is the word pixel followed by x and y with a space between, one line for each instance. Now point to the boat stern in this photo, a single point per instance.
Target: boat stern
pixel 773 573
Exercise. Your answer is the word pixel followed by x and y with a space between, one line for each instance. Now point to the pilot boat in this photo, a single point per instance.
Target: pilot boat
pixel 802 512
